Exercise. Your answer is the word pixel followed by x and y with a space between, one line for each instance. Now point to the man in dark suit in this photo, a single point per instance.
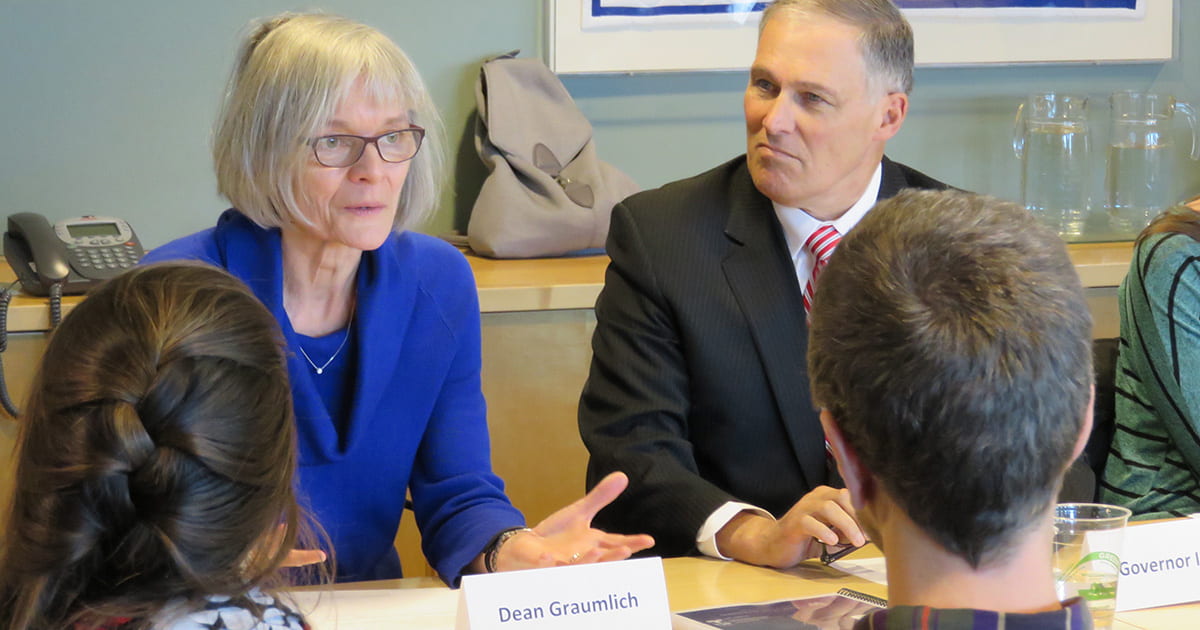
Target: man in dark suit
pixel 696 388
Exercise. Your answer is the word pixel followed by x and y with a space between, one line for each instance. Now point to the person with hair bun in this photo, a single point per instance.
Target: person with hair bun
pixel 154 463
pixel 329 149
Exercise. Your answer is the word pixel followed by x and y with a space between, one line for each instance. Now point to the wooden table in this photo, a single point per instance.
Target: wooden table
pixel 691 583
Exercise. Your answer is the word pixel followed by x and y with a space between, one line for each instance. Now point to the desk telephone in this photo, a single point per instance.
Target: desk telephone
pixel 53 260
pixel 76 253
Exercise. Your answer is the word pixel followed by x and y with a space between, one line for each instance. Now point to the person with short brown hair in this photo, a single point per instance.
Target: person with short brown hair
pixel 951 356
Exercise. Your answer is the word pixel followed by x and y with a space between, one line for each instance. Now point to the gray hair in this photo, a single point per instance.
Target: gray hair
pixel 951 342
pixel 887 38
pixel 290 77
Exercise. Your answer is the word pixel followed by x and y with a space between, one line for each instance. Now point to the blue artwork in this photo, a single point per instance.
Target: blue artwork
pixel 600 8
pixel 1017 4
pixel 611 8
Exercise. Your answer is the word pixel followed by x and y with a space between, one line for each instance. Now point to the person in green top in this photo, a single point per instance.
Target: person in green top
pixel 1153 466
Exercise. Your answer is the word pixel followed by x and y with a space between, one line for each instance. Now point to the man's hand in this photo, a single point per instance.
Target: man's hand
pixel 824 515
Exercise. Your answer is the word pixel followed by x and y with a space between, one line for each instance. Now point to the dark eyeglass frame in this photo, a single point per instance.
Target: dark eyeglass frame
pixel 414 129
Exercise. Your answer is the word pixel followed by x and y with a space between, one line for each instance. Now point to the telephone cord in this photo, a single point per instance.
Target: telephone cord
pixel 56 290
pixel 5 297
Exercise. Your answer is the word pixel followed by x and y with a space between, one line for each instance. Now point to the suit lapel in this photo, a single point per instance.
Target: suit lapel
pixel 386 299
pixel 256 256
pixel 763 280
pixel 385 305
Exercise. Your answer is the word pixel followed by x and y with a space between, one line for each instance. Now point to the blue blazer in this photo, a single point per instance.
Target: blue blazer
pixel 418 419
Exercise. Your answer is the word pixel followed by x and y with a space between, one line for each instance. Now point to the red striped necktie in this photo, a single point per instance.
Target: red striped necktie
pixel 820 244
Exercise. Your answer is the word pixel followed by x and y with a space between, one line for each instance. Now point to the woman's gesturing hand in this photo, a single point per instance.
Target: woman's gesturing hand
pixel 567 536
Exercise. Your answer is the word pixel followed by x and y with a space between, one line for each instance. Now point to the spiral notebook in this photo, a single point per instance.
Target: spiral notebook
pixel 823 612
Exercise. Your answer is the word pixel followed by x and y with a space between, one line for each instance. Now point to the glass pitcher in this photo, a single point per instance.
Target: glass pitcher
pixel 1050 137
pixel 1141 158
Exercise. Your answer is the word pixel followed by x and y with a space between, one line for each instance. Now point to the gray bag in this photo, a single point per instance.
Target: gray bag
pixel 546 193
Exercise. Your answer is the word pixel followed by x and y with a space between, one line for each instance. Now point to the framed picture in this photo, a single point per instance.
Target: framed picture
pixel 614 36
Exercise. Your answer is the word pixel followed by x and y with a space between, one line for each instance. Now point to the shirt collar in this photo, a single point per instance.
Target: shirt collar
pixel 798 224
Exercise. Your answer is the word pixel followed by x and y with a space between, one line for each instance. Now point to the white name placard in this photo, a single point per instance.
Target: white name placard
pixel 1160 565
pixel 626 594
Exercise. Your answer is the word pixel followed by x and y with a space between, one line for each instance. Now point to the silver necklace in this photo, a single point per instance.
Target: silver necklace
pixel 321 370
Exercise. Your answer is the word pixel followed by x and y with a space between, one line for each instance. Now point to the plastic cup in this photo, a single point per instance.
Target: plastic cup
pixel 1087 555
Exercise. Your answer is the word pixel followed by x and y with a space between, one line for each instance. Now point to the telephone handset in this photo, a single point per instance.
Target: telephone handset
pixel 67 257
pixel 76 253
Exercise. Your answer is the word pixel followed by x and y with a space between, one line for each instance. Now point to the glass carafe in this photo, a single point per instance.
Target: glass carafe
pixel 1050 138
pixel 1141 157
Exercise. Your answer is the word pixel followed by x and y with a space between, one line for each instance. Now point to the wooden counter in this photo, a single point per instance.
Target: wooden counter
pixel 543 284
pixel 551 284
pixel 538 284
pixel 1101 264
pixel 568 283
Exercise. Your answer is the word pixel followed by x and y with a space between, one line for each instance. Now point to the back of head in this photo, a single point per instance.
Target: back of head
pixel 156 455
pixel 951 341
pixel 887 38
pixel 291 74
pixel 1182 219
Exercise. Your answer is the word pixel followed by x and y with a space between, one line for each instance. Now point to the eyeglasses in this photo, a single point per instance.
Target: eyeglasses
pixel 342 150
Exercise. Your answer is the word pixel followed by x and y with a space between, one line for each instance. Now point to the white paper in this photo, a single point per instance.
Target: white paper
pixel 1160 565
pixel 627 594
pixel 870 569
pixel 425 608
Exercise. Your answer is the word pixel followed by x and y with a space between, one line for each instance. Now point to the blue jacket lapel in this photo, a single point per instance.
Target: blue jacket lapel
pixel 386 299
pixel 385 305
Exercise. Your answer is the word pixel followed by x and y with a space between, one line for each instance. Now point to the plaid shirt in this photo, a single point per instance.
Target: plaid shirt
pixel 1072 616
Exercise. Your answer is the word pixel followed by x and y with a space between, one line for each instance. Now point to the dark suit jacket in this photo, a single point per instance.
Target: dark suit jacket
pixel 698 387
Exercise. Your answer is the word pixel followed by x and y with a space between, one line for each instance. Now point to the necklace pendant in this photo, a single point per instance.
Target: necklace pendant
pixel 320 369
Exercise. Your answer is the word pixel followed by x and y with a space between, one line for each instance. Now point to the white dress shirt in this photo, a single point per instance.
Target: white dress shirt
pixel 798 225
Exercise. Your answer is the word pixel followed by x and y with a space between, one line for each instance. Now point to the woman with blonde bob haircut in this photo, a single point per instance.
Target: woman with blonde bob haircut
pixel 154 464
pixel 328 149
pixel 259 147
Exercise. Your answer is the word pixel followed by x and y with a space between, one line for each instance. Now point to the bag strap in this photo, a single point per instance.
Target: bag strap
pixel 522 103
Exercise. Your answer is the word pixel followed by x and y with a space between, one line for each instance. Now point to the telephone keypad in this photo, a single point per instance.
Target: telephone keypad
pixel 103 258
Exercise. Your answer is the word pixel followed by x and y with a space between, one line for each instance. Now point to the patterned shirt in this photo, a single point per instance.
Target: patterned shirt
pixel 1072 616
pixel 1155 454
pixel 223 613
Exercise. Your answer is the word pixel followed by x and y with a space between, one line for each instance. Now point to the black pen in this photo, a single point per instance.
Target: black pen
pixel 830 558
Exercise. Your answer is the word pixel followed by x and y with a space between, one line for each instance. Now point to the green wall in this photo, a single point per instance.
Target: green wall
pixel 107 106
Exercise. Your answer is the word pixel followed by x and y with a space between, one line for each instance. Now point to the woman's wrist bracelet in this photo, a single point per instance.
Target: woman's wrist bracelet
pixel 493 548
